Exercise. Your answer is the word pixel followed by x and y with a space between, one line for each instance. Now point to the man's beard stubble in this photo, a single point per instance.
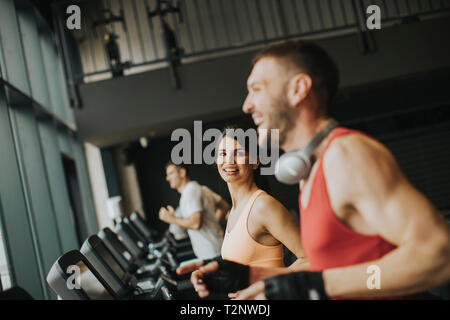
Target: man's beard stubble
pixel 281 118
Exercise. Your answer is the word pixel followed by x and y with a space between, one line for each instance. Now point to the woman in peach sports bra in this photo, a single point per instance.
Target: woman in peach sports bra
pixel 258 224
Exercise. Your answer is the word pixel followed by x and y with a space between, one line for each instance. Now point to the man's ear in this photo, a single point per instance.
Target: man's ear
pixel 256 165
pixel 182 172
pixel 299 88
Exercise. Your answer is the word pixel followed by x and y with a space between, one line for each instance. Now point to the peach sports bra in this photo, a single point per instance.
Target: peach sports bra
pixel 239 246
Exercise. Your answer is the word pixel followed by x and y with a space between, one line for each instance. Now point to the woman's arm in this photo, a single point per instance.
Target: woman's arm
pixel 282 226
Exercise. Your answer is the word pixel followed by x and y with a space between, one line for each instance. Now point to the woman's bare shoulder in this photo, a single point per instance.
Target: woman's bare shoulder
pixel 268 205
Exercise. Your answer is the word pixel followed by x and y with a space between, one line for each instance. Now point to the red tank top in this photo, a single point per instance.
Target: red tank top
pixel 328 243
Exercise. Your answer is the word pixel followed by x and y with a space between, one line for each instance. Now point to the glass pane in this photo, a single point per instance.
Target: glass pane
pixel 4 269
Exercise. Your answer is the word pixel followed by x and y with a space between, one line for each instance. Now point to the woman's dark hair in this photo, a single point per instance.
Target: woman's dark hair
pixel 241 136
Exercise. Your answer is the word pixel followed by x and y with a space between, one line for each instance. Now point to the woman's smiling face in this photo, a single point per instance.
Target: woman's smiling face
pixel 233 161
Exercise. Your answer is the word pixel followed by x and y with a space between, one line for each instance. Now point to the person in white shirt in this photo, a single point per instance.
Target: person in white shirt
pixel 178 232
pixel 198 209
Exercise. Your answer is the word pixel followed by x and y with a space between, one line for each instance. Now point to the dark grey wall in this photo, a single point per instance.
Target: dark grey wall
pixel 125 108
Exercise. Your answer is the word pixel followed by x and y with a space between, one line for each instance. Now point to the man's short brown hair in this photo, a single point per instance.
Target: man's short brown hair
pixel 178 166
pixel 309 58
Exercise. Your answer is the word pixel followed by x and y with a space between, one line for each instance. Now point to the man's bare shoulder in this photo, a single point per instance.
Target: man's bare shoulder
pixel 359 160
pixel 356 149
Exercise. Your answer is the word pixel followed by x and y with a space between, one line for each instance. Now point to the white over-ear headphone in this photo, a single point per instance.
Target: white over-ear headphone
pixel 296 165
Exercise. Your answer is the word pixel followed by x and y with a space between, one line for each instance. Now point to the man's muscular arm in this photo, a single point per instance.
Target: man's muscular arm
pixel 194 221
pixel 364 179
pixel 362 176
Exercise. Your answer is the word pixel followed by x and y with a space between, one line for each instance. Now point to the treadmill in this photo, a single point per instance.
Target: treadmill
pixel 143 228
pixel 123 284
pixel 175 251
pixel 127 261
pixel 162 267
pixel 133 242
pixel 87 284
pixel 145 231
pixel 120 252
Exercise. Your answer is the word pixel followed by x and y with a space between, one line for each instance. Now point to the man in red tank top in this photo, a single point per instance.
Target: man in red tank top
pixel 367 232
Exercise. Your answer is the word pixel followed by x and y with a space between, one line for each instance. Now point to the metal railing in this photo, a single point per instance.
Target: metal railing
pixel 205 27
